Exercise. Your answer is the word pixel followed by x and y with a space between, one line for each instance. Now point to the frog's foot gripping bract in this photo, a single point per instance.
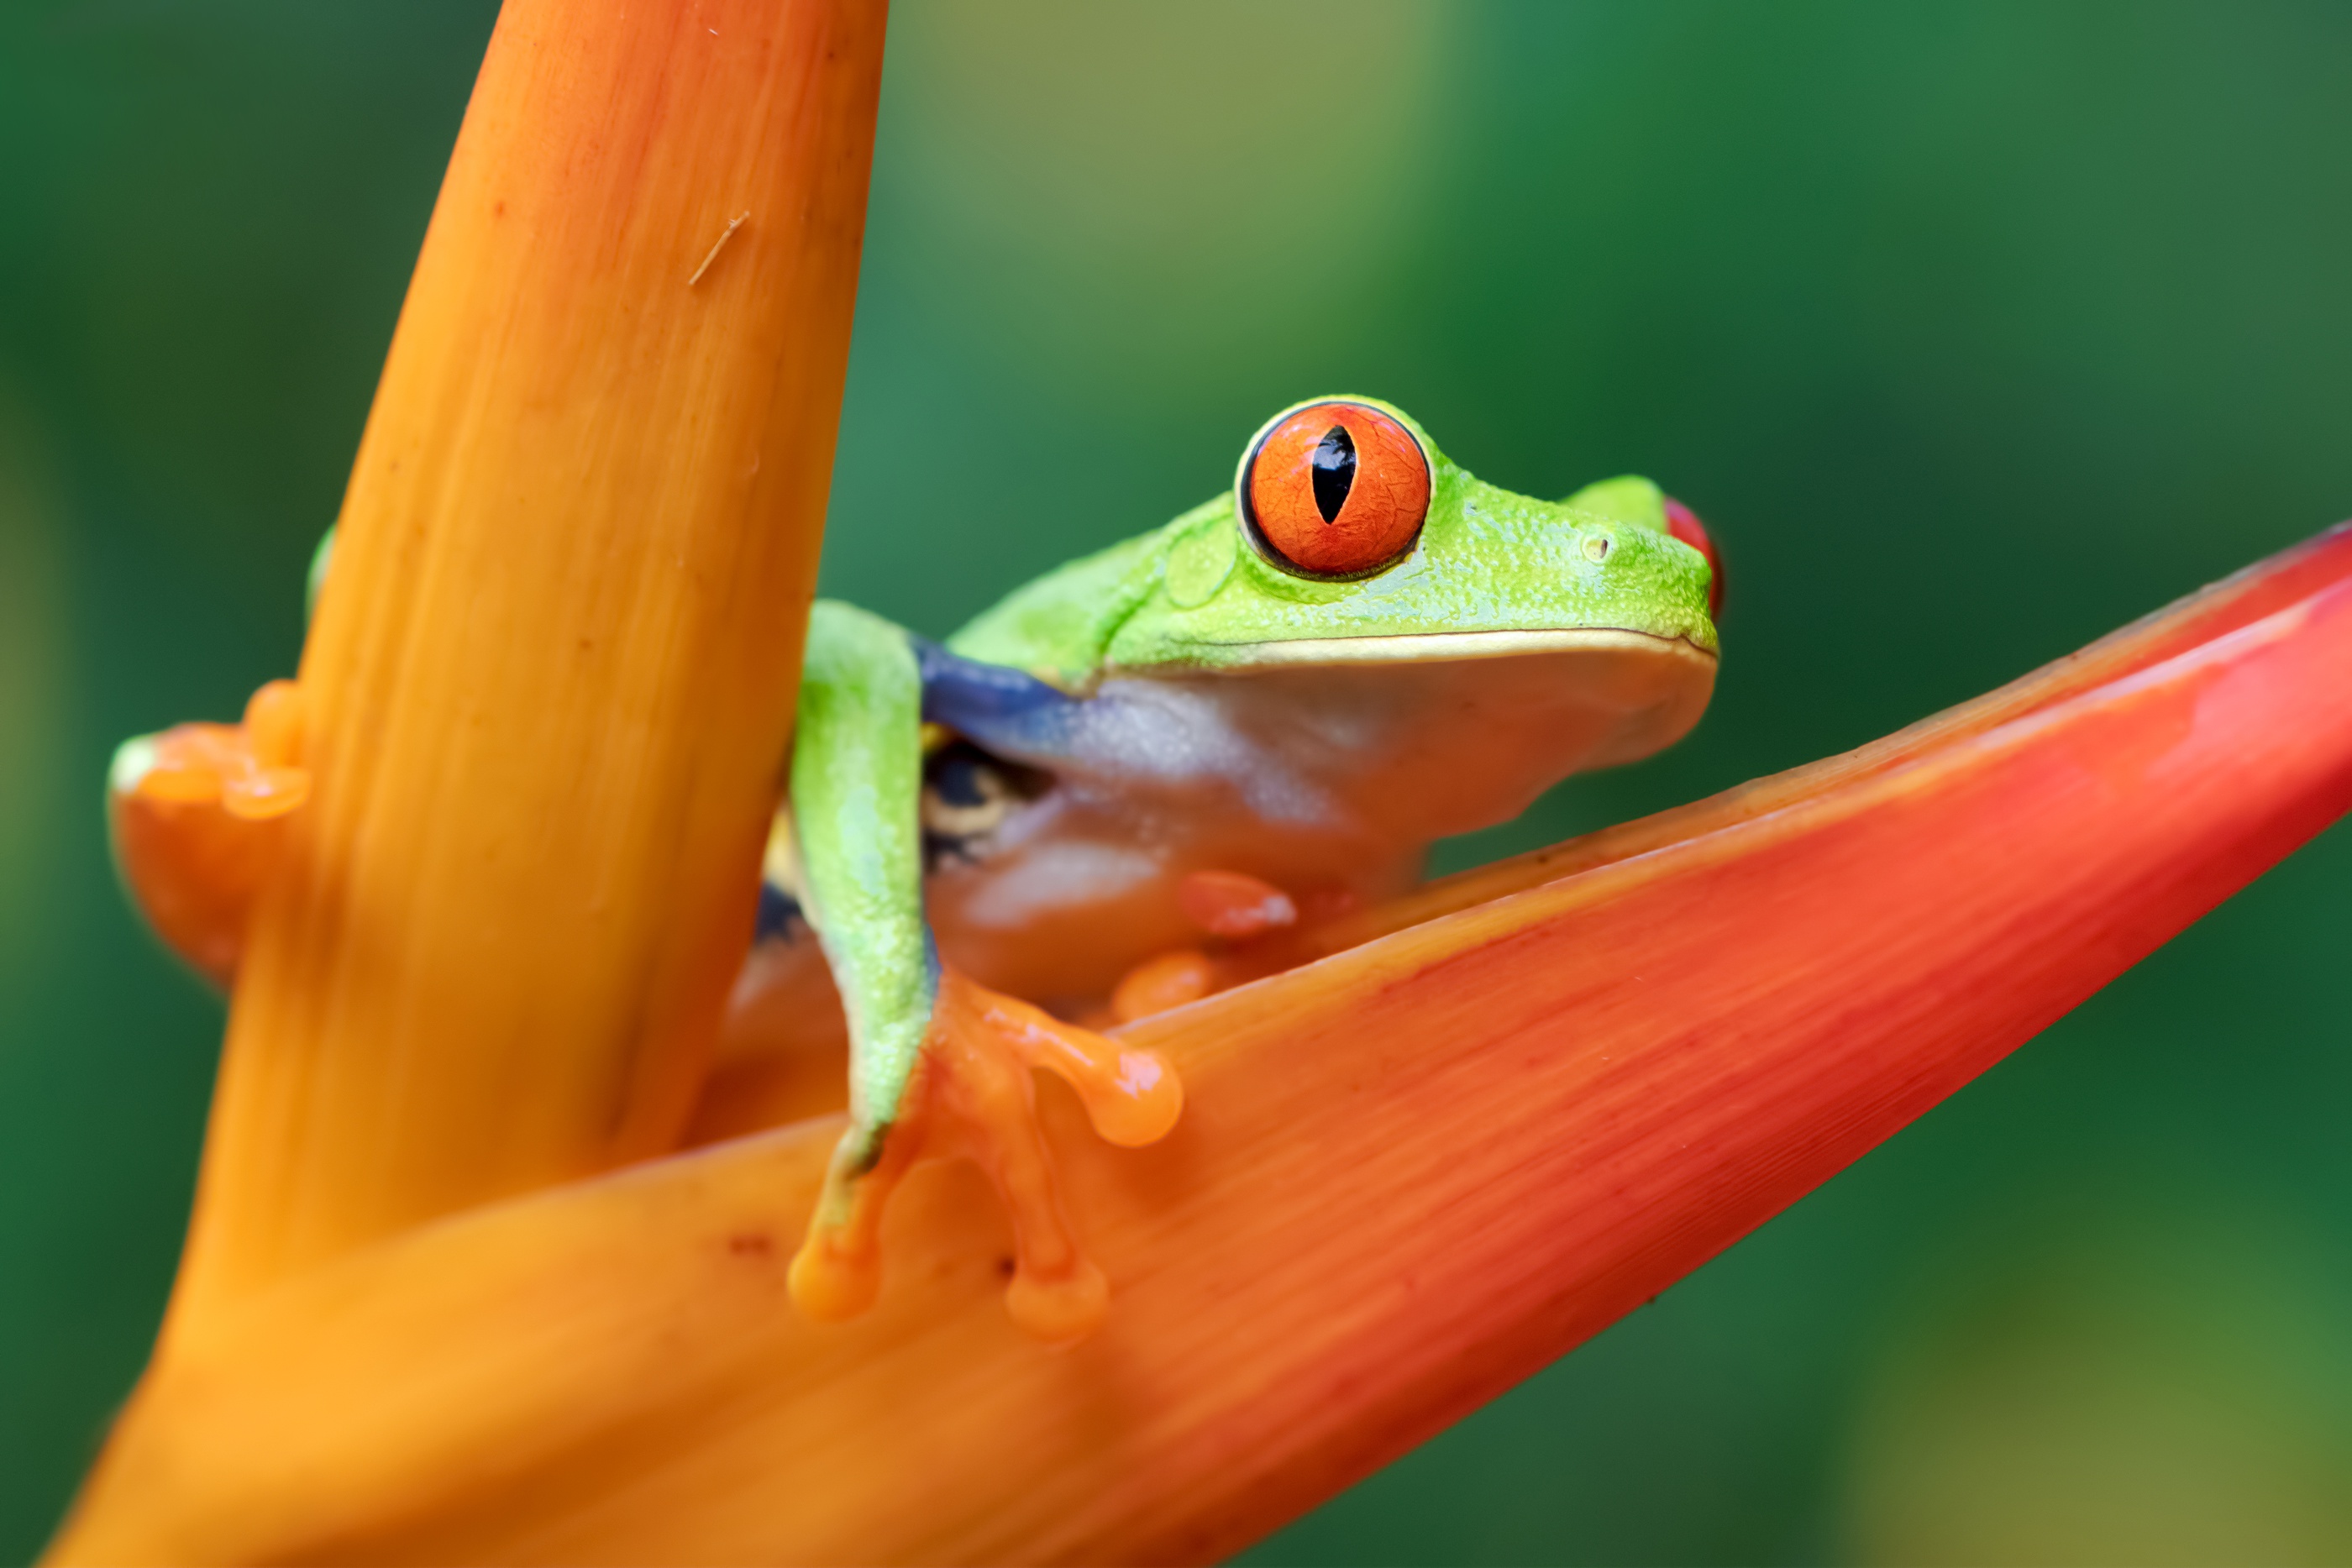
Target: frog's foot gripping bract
pixel 973 1097
pixel 193 813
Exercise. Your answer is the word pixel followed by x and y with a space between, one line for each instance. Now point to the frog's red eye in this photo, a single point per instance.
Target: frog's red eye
pixel 1684 524
pixel 1337 489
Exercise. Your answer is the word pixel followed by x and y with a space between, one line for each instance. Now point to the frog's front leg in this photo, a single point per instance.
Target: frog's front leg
pixel 192 815
pixel 939 1066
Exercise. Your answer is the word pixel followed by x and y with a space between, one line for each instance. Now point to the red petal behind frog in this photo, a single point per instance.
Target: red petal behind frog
pixel 1684 524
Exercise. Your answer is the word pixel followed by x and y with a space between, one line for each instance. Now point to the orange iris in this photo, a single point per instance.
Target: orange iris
pixel 1337 489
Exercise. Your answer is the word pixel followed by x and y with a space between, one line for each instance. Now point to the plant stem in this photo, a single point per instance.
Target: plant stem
pixel 550 681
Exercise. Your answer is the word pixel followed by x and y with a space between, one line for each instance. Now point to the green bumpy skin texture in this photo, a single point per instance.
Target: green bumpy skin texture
pixel 857 781
pixel 1195 594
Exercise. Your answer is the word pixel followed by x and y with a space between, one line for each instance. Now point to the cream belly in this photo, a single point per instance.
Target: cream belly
pixel 1327 776
pixel 1326 769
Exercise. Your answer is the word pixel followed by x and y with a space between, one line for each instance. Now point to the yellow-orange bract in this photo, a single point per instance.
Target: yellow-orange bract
pixel 1408 1175
pixel 423 1323
pixel 552 671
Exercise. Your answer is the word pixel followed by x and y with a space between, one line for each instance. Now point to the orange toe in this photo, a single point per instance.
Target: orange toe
pixel 837 1272
pixel 1234 905
pixel 186 810
pixel 264 779
pixel 1169 980
pixel 1131 1097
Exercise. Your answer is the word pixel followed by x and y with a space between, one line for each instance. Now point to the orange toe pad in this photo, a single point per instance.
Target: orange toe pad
pixel 1169 980
pixel 189 812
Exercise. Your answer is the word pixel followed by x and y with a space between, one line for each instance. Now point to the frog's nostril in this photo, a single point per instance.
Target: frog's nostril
pixel 1684 524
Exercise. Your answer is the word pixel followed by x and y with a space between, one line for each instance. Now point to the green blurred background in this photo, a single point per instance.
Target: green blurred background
pixel 1973 331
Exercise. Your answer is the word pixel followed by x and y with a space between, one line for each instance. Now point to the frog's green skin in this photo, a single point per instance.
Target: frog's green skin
pixel 1196 707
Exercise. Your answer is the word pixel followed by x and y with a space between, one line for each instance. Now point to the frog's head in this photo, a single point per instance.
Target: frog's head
pixel 1348 537
pixel 1351 556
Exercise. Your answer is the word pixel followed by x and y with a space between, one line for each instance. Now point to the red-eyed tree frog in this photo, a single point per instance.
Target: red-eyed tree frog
pixel 1260 713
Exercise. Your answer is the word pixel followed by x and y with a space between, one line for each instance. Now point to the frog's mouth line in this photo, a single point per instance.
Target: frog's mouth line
pixel 1442 647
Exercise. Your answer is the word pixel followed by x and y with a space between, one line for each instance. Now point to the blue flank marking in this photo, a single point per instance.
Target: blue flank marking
pixel 999 708
pixel 779 912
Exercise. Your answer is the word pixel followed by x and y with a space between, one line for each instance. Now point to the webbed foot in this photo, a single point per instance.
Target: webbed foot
pixel 973 1097
pixel 189 811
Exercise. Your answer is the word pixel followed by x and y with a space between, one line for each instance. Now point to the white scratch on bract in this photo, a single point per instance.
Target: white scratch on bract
pixel 733 224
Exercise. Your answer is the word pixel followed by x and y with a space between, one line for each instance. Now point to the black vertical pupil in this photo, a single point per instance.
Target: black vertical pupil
pixel 1334 471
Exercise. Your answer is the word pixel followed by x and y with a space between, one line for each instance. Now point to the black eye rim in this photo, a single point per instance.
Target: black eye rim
pixel 1245 510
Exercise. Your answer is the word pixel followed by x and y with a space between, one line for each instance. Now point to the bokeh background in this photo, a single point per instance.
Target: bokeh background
pixel 1973 330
